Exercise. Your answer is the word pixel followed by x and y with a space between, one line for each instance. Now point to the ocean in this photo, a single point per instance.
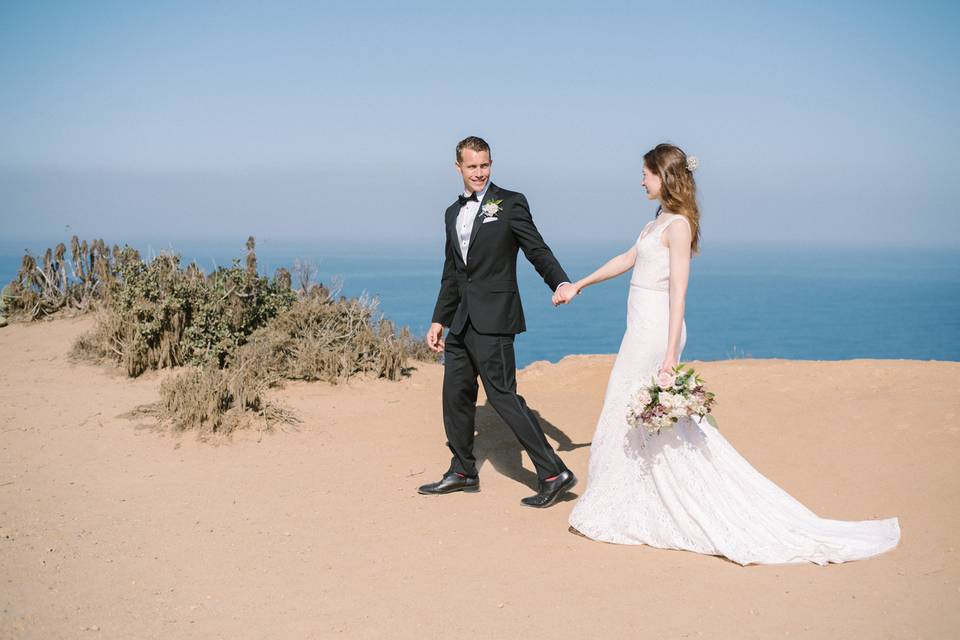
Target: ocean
pixel 743 302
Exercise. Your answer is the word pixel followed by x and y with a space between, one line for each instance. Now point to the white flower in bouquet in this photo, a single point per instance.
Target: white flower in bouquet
pixel 696 405
pixel 668 399
pixel 680 409
pixel 679 393
pixel 644 398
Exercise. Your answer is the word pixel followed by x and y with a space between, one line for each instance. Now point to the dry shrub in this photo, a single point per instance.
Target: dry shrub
pixel 242 332
pixel 214 401
pixel 306 271
pixel 317 338
pixel 158 315
pixel 57 284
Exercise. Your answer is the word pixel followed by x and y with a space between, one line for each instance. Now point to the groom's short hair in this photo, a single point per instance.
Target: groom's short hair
pixel 473 143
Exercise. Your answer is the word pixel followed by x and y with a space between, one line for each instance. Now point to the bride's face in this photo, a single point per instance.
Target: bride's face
pixel 651 182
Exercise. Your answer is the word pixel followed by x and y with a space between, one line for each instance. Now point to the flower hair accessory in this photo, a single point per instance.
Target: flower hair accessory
pixel 692 163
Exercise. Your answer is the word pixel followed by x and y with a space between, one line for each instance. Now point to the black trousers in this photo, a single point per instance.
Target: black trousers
pixel 468 355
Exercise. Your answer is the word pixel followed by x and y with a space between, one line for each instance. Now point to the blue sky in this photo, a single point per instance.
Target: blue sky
pixel 815 122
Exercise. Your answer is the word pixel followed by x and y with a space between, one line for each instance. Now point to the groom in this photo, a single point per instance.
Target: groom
pixel 480 303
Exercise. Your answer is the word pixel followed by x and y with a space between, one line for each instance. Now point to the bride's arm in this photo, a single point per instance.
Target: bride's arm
pixel 611 269
pixel 678 240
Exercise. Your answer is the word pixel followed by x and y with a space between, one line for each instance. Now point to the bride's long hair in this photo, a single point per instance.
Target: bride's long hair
pixel 678 190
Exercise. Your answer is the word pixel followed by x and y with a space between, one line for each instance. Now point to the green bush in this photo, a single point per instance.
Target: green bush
pixel 240 333
pixel 158 315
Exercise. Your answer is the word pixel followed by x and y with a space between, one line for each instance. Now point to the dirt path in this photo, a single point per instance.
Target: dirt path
pixel 110 531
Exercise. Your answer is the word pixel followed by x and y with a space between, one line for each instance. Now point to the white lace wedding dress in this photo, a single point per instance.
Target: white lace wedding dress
pixel 688 488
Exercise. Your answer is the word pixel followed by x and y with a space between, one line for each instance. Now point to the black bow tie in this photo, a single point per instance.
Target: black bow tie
pixel 462 199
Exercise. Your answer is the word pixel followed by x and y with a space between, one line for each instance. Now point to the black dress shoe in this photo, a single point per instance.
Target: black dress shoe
pixel 449 483
pixel 550 490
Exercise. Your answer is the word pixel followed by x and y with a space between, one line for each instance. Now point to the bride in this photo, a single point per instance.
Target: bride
pixel 688 488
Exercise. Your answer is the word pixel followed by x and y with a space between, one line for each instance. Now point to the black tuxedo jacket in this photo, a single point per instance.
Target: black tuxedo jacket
pixel 485 288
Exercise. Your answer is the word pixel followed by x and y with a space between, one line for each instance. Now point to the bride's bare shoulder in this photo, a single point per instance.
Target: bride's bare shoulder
pixel 680 233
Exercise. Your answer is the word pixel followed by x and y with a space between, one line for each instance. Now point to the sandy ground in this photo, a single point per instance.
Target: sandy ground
pixel 108 530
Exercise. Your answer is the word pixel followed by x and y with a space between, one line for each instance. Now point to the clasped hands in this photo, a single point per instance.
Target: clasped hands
pixel 565 293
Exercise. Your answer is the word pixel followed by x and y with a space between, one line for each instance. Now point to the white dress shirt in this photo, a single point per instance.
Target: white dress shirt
pixel 468 213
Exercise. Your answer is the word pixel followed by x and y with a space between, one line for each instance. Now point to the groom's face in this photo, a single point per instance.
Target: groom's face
pixel 474 168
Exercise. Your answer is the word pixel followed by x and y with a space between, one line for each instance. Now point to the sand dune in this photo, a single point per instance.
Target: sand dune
pixel 113 531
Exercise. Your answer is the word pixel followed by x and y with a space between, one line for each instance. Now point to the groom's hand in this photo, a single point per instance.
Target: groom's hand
pixel 435 337
pixel 564 294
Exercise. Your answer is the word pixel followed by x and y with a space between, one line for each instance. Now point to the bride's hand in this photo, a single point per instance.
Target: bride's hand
pixel 668 365
pixel 665 375
pixel 564 294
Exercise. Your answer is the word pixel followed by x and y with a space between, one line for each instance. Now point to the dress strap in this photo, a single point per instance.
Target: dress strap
pixel 673 218
pixel 646 230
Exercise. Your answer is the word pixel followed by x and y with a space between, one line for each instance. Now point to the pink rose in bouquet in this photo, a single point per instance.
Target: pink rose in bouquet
pixel 666 379
pixel 670 397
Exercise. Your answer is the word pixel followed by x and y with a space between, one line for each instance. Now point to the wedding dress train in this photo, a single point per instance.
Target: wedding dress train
pixel 688 488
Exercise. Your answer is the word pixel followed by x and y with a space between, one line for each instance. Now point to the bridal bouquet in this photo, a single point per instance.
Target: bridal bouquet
pixel 668 398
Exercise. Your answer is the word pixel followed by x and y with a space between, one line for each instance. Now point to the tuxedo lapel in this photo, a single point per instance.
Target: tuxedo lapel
pixel 454 237
pixel 477 221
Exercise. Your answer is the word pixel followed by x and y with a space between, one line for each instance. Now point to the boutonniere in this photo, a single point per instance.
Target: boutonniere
pixel 491 208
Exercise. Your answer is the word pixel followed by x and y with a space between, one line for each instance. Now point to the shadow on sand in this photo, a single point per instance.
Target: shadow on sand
pixel 496 444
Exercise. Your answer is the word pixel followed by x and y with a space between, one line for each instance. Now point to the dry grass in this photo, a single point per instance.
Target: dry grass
pixel 317 338
pixel 241 333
